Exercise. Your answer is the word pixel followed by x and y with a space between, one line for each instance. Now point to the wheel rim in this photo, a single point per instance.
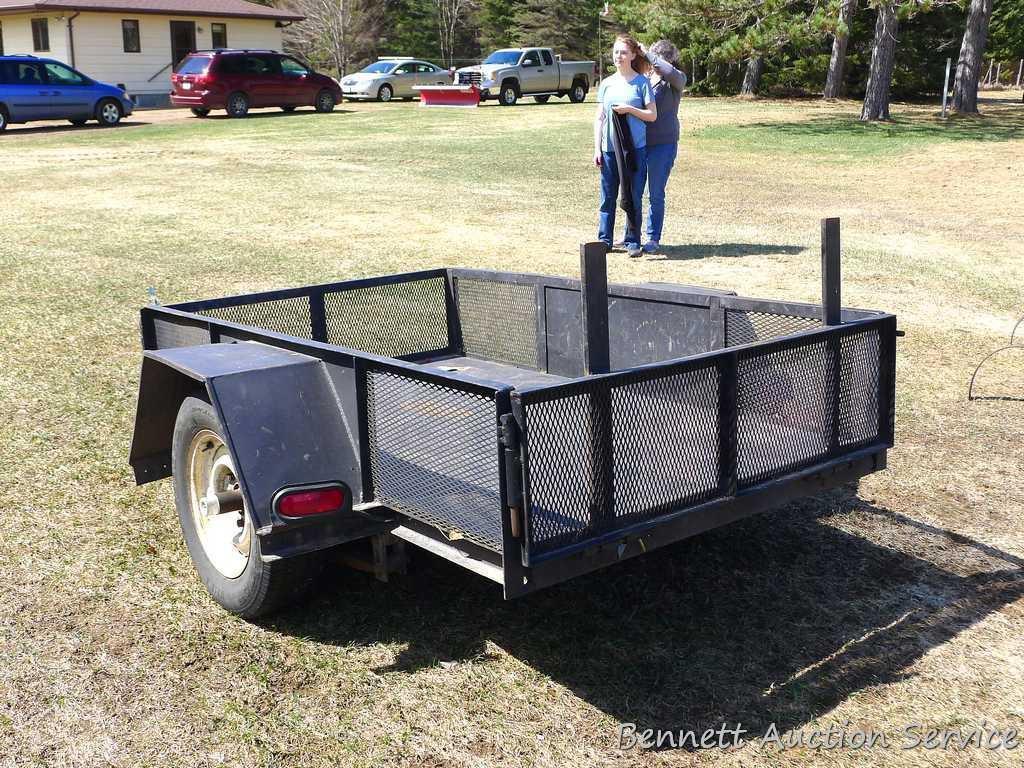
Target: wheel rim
pixel 238 104
pixel 579 93
pixel 326 101
pixel 510 96
pixel 224 536
pixel 385 94
pixel 110 113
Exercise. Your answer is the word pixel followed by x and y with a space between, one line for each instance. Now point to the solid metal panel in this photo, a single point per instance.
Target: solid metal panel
pixel 640 331
pixel 161 390
pixel 284 426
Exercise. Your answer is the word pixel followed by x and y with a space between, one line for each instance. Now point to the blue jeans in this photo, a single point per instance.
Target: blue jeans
pixel 610 196
pixel 660 159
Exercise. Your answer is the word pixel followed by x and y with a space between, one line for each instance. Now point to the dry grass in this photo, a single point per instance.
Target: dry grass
pixel 896 602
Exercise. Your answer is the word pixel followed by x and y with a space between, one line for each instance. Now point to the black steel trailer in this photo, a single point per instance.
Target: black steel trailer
pixel 529 428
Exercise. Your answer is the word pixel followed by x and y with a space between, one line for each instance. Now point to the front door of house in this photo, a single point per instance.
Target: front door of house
pixel 183 40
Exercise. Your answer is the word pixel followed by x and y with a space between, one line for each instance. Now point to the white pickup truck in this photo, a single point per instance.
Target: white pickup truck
pixel 510 73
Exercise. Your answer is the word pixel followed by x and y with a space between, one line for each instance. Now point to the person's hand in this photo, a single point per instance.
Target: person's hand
pixel 597 159
pixel 622 109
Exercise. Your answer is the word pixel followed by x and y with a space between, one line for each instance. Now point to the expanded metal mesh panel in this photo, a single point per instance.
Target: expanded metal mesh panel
pixel 784 406
pixel 390 320
pixel 614 455
pixel 746 327
pixel 434 455
pixel 666 442
pixel 170 334
pixel 288 316
pixel 859 388
pixel 499 321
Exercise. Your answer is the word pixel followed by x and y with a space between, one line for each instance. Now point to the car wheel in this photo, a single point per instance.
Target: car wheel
pixel 541 99
pixel 385 93
pixel 238 104
pixel 220 536
pixel 108 112
pixel 3 118
pixel 509 95
pixel 200 111
pixel 578 93
pixel 78 123
pixel 325 101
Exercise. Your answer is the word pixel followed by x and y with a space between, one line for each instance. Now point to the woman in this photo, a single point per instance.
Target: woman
pixel 627 92
pixel 667 83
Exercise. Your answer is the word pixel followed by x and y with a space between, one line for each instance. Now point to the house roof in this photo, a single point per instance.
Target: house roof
pixel 220 8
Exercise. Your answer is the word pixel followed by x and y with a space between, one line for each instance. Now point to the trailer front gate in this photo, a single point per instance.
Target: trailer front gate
pixel 463 396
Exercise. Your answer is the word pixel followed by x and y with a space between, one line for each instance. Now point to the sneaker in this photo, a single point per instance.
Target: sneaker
pixel 633 251
pixel 651 246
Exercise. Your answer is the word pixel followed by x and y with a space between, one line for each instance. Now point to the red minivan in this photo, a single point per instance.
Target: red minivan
pixel 237 80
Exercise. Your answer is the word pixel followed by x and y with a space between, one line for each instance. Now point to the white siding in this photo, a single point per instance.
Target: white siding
pixel 99 46
pixel 18 35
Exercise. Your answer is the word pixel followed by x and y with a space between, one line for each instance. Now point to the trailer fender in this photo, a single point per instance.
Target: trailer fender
pixel 280 411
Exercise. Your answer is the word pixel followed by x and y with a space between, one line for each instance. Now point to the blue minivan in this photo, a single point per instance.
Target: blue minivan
pixel 43 89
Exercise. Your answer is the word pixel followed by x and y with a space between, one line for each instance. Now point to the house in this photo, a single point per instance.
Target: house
pixel 136 43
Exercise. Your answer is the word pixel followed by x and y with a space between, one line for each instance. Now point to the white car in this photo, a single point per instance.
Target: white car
pixel 392 78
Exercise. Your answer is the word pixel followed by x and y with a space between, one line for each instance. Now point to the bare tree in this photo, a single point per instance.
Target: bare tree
pixel 326 30
pixel 968 67
pixel 449 14
pixel 883 59
pixel 835 85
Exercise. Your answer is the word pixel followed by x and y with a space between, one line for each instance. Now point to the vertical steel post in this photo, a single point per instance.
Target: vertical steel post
pixel 831 316
pixel 1020 70
pixel 594 290
pixel 594 287
pixel 945 87
pixel 830 290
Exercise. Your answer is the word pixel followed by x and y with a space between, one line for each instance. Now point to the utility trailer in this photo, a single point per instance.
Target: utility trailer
pixel 526 427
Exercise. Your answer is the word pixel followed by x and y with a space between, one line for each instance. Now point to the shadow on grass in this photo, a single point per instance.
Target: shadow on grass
pixel 37 130
pixel 707 250
pixel 999 126
pixel 264 115
pixel 776 619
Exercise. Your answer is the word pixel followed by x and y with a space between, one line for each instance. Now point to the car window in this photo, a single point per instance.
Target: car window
pixel 262 65
pixel 58 74
pixel 531 60
pixel 427 68
pixel 547 57
pixel 292 67
pixel 195 65
pixel 379 67
pixel 27 73
pixel 405 69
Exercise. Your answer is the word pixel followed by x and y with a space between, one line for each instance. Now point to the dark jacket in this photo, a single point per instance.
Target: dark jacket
pixel 625 161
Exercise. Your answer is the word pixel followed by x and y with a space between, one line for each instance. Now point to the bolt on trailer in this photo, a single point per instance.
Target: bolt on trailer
pixel 526 427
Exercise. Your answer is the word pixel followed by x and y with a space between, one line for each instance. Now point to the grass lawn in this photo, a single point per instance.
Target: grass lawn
pixel 898 602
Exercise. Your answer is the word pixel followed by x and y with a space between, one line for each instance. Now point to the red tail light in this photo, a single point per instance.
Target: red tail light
pixel 303 502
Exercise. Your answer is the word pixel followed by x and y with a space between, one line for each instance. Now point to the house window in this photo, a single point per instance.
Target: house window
pixel 130 35
pixel 40 35
pixel 220 35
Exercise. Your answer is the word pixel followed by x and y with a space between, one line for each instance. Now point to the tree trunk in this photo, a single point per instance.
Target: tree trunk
pixel 883 59
pixel 968 67
pixel 752 77
pixel 835 84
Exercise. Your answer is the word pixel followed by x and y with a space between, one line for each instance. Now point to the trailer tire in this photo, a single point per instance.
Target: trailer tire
pixel 258 588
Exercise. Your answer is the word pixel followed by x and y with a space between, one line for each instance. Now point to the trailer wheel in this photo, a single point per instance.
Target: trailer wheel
pixel 223 544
